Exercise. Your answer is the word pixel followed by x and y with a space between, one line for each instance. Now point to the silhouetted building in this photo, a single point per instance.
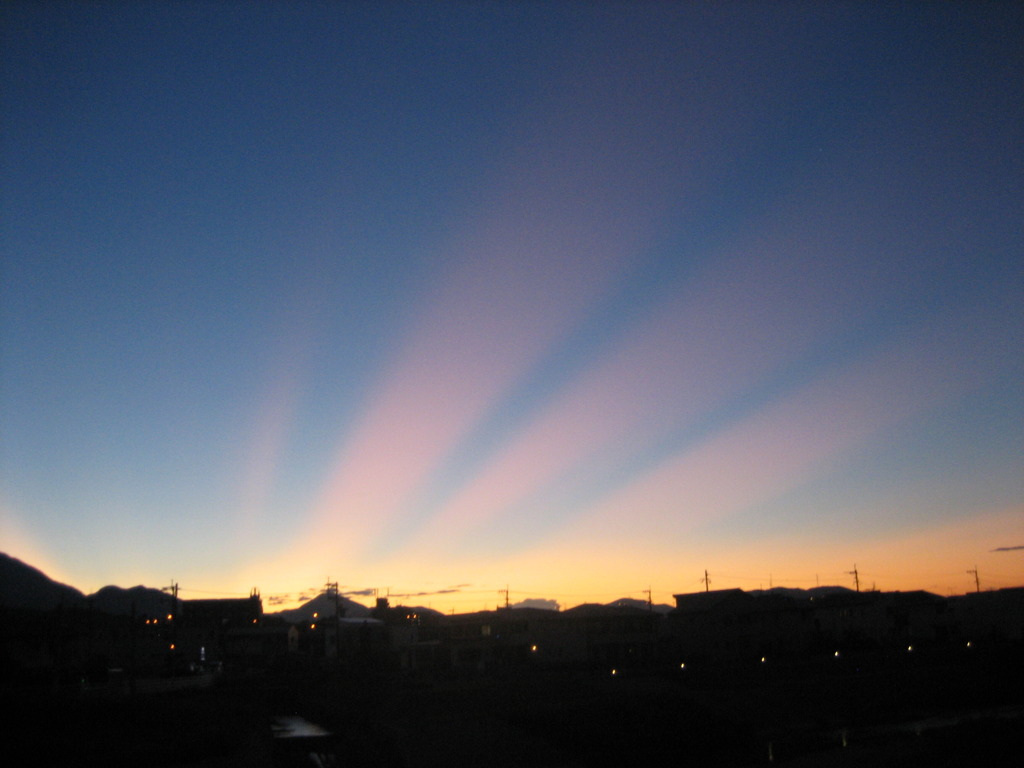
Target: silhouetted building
pixel 511 638
pixel 731 623
pixel 997 615
pixel 344 641
pixel 613 636
pixel 234 612
pixel 259 646
pixel 200 632
pixel 485 641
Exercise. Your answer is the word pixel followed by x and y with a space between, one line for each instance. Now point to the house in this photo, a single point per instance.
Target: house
pixel 993 616
pixel 487 640
pixel 259 645
pixel 612 636
pixel 199 634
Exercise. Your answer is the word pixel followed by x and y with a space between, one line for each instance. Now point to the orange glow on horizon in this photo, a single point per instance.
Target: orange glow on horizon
pixel 935 560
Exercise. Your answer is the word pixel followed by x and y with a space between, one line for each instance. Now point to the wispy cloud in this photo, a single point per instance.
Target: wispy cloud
pixel 370 592
pixel 359 592
pixel 446 591
pixel 292 597
pixel 1008 549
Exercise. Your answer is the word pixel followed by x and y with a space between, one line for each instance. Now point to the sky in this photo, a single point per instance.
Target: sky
pixel 573 300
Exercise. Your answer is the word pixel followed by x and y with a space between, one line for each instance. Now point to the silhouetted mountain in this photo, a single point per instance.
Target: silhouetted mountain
pixel 801 594
pixel 537 602
pixel 143 601
pixel 822 591
pixel 22 586
pixel 634 603
pixel 419 610
pixel 323 605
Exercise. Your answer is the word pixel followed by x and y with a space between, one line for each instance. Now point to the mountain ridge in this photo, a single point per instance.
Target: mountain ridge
pixel 23 586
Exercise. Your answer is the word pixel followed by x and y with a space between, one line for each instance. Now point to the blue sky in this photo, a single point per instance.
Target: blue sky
pixel 579 297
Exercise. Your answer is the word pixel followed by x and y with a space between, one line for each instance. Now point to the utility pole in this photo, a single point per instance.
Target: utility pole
pixel 173 590
pixel 856 577
pixel 133 631
pixel 504 592
pixel 650 602
pixel 977 581
pixel 707 581
pixel 331 590
pixel 172 618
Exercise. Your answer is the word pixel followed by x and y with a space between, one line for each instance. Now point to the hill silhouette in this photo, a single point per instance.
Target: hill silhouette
pixel 632 602
pixel 25 587
pixel 22 586
pixel 142 601
pixel 802 594
pixel 322 606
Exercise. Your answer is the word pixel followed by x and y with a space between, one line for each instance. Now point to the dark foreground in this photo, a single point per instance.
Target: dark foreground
pixel 933 713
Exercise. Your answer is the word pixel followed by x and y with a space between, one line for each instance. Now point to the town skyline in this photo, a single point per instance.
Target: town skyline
pixel 468 599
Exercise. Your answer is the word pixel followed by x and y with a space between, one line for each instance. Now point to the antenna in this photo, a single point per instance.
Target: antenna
pixel 331 590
